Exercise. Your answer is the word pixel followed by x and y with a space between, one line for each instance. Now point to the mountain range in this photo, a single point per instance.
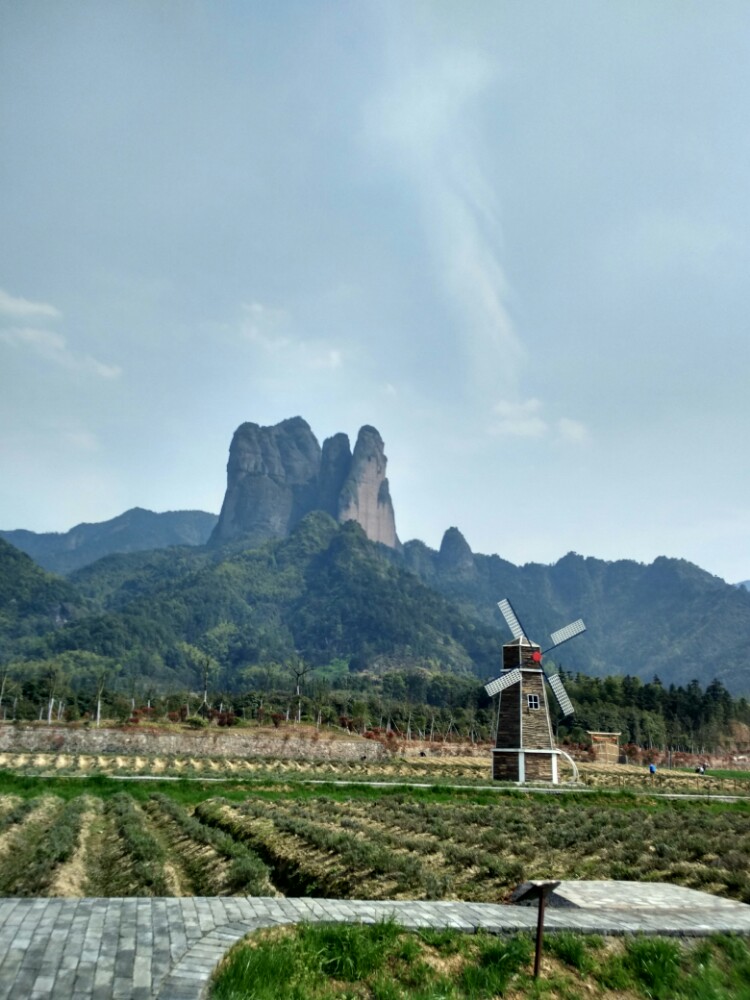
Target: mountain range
pixel 134 531
pixel 305 559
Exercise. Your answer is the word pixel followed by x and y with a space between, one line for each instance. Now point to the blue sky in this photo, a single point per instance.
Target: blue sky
pixel 513 237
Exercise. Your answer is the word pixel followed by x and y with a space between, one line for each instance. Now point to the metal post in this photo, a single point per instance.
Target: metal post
pixel 539 934
pixel 524 894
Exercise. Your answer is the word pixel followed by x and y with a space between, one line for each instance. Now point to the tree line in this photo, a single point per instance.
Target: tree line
pixel 80 686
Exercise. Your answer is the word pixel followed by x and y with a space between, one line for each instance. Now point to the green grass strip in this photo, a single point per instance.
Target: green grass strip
pixel 385 962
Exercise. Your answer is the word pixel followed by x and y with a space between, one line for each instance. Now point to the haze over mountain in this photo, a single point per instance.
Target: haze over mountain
pixel 134 531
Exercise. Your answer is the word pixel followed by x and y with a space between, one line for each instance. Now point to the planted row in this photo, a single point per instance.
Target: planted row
pixel 245 872
pixel 40 845
pixel 142 855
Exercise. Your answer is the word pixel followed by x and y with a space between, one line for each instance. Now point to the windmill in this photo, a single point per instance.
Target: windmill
pixel 525 749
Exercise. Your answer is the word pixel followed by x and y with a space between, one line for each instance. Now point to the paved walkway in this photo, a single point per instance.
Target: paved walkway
pixel 166 949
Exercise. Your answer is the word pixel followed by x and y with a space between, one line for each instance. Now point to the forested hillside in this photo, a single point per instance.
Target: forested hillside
pixel 324 593
pixel 367 642
pixel 668 618
pixel 32 602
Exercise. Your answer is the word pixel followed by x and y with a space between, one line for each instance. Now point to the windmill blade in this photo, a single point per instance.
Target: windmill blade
pixel 561 694
pixel 501 683
pixel 563 634
pixel 511 619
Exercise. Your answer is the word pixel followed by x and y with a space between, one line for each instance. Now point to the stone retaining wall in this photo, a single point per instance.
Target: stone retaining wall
pixel 202 743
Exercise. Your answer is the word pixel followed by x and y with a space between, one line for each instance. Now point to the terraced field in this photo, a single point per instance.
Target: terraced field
pixel 453 769
pixel 469 769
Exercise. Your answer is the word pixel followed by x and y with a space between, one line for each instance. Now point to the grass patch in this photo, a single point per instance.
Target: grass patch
pixel 384 962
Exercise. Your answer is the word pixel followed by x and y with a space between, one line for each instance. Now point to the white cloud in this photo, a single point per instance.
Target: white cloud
pixel 23 309
pixel 423 119
pixel 52 347
pixel 664 241
pixel 519 419
pixel 264 325
pixel 270 329
pixel 45 343
pixel 82 440
pixel 328 359
pixel 526 420
pixel 572 430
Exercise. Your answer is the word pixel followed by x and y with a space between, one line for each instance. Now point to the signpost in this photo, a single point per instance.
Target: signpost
pixel 525 893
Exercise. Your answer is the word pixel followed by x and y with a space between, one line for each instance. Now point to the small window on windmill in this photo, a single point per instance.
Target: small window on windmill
pixel 533 700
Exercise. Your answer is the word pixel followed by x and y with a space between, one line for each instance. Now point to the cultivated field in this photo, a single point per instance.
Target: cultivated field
pixel 99 836
pixel 448 766
pixel 412 768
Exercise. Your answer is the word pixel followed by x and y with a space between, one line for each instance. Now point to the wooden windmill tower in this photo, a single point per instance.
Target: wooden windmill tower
pixel 525 747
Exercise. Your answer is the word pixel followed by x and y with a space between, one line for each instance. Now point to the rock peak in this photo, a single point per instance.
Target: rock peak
pixel 455 553
pixel 365 496
pixel 276 475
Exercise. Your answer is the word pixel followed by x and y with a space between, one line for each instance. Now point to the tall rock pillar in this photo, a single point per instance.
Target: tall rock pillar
pixel 365 496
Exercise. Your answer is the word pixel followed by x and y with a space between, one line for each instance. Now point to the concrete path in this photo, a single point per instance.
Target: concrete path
pixel 144 949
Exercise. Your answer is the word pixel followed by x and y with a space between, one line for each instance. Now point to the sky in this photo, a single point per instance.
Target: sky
pixel 514 237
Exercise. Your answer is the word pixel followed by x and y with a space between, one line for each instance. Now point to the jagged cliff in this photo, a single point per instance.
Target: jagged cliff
pixel 276 475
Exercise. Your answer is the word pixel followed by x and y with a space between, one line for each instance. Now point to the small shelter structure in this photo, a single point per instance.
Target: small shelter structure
pixel 606 747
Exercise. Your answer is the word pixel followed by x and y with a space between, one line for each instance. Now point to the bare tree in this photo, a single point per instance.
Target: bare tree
pixel 299 669
pixel 4 675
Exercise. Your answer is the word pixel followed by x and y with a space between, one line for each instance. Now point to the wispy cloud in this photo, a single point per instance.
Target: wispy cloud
pixel 81 440
pixel 270 329
pixel 662 241
pixel 572 430
pixel 526 420
pixel 14 308
pixel 265 326
pixel 424 120
pixel 52 347
pixel 519 419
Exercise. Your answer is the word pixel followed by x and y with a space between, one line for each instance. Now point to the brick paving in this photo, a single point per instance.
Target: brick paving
pixel 166 949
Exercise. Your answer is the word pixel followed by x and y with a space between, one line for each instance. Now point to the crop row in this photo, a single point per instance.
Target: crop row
pixel 243 871
pixel 41 764
pixel 41 835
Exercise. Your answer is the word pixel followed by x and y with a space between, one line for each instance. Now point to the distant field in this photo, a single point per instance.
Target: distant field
pixel 454 769
pixel 413 768
pixel 104 837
